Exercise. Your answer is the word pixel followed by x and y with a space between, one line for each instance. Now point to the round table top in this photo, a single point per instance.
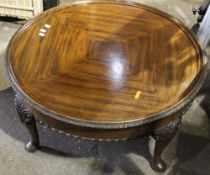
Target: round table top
pixel 104 62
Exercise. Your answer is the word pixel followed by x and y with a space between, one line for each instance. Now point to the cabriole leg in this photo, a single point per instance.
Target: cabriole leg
pixel 27 118
pixel 162 137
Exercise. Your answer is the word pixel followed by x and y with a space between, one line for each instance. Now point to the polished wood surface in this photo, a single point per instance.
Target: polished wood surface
pixel 105 62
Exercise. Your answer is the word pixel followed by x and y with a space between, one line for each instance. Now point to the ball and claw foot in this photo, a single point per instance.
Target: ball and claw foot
pixel 31 147
pixel 158 165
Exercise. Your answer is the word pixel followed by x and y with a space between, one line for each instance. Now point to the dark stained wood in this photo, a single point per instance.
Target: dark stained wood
pixel 27 118
pixel 163 136
pixel 95 58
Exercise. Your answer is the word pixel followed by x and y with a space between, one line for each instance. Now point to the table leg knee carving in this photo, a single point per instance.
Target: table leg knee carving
pixel 27 118
pixel 162 137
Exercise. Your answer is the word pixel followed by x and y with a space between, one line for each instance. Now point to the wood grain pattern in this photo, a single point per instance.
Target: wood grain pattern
pixel 95 57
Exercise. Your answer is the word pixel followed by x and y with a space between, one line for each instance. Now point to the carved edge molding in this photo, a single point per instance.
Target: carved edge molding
pixel 44 125
pixel 170 126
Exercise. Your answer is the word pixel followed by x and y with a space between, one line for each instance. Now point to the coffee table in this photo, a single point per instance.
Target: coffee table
pixel 105 70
